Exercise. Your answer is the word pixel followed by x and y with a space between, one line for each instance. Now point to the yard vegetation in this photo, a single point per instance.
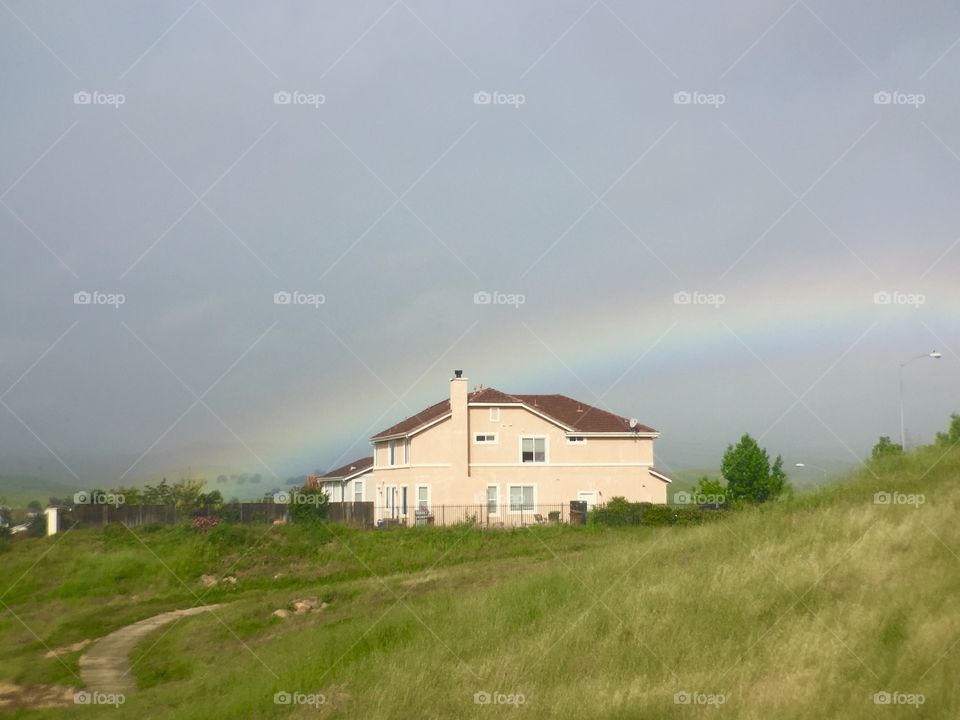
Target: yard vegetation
pixel 842 601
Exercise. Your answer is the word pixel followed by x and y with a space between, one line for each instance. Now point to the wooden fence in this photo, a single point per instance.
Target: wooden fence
pixel 248 513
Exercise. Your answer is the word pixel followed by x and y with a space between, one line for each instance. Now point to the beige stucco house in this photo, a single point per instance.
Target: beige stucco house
pixel 503 458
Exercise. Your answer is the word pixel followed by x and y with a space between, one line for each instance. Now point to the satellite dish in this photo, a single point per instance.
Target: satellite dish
pixel 633 423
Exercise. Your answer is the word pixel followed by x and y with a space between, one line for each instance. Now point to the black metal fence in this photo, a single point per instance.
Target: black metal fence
pixel 484 515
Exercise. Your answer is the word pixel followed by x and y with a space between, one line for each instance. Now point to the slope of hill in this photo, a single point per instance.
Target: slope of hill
pixel 842 602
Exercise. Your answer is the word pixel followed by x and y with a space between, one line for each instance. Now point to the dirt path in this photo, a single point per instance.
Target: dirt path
pixel 106 666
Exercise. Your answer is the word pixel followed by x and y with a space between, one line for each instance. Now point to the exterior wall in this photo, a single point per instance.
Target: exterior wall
pixel 456 471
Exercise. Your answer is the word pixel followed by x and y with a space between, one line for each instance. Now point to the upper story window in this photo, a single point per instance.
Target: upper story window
pixel 494 414
pixel 392 452
pixel 576 439
pixel 533 450
pixel 484 438
pixel 406 452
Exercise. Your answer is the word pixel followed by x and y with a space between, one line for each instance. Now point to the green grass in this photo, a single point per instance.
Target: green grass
pixel 799 609
pixel 16 491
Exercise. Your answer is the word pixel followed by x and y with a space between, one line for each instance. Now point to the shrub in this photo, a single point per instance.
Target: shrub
pixel 204 524
pixel 621 512
pixel 309 505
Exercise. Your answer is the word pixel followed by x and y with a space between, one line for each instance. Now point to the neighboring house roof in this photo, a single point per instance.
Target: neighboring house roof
pixel 657 474
pixel 350 469
pixel 427 415
pixel 573 414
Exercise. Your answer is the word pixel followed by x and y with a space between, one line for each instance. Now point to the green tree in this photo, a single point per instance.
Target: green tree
pixel 161 494
pixel 213 498
pixel 951 437
pixel 746 468
pixel 35 506
pixel 186 493
pixel 886 448
pixel 709 488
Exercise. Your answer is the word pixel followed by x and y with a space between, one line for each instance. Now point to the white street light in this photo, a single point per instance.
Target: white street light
pixel 935 355
pixel 816 467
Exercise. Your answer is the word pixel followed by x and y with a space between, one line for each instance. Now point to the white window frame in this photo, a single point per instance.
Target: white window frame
pixel 406 451
pixel 496 505
pixel 494 414
pixel 495 436
pixel 359 483
pixel 391 452
pixel 533 504
pixel 546 449
pixel 429 497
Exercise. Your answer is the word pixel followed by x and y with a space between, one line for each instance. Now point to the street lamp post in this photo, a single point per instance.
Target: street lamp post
pixel 903 435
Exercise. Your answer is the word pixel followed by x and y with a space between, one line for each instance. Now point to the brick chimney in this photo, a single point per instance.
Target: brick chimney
pixel 460 425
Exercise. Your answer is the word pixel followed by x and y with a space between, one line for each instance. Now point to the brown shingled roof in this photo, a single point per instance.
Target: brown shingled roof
pixel 574 414
pixel 414 421
pixel 351 468
pixel 578 415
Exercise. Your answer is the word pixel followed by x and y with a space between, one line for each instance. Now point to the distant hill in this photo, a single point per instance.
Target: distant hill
pixel 18 490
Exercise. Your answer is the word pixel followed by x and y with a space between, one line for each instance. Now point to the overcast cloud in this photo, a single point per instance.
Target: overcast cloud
pixel 782 163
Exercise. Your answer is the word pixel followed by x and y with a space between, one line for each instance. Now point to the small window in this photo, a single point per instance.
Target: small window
pixel 423 497
pixel 406 452
pixel 533 450
pixel 521 498
pixel 392 448
pixel 576 439
pixel 358 490
pixel 493 500
pixel 494 414
pixel 485 439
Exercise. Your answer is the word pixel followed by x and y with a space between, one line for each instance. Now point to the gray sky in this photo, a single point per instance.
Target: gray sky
pixel 629 152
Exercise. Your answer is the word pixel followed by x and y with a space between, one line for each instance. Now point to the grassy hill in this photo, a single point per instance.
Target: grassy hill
pixel 806 608
pixel 18 490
